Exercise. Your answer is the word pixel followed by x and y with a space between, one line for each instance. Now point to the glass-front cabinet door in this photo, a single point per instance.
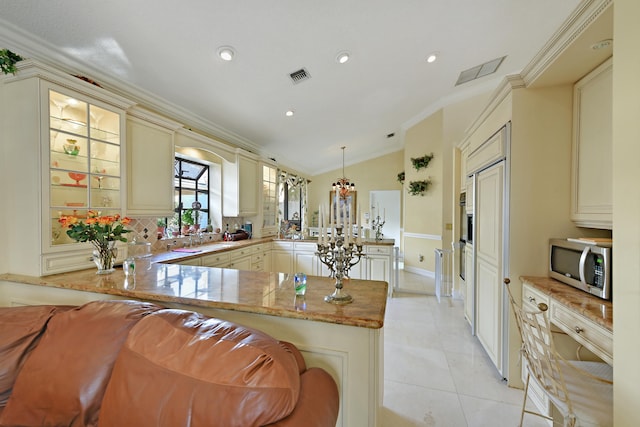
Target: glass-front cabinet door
pixel 269 200
pixel 84 160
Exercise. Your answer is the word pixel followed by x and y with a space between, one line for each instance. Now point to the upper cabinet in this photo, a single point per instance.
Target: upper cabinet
pixel 150 159
pixel 591 169
pixel 268 201
pixel 65 138
pixel 240 185
pixel 84 154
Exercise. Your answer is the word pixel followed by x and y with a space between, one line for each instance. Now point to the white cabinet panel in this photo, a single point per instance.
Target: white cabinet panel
pixel 592 149
pixel 378 268
pixel 305 262
pixel 488 327
pixel 282 261
pixel 150 159
pixel 469 283
pixel 240 185
pixel 489 258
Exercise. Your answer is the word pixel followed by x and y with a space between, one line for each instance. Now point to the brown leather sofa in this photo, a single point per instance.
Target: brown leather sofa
pixel 130 363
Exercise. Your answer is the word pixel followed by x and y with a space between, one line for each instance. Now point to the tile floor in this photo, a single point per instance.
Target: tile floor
pixel 435 372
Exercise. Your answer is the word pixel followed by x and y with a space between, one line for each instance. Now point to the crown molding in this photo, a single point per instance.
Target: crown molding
pixel 587 12
pixel 49 55
pixel 508 84
pixel 583 16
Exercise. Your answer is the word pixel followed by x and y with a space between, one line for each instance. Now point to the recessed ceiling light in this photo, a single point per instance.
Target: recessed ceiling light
pixel 226 53
pixel 432 58
pixel 342 57
pixel 289 113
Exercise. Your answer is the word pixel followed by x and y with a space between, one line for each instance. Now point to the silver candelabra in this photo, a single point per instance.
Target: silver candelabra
pixel 376 225
pixel 339 257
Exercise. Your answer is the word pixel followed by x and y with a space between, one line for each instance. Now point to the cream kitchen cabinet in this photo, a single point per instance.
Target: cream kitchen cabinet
pixel 282 256
pixel 65 138
pixel 261 257
pixel 150 164
pixel 592 161
pixel 305 258
pixel 240 185
pixel 219 260
pixel 377 265
pixel 267 212
pixel 468 206
pixel 469 298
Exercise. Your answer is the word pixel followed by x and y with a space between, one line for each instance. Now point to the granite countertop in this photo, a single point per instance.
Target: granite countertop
pixel 594 308
pixel 186 253
pixel 160 278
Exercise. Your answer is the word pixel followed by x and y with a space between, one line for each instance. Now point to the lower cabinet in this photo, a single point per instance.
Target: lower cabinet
pixel 281 259
pixel 299 257
pixel 305 258
pixel 219 260
pixel 468 283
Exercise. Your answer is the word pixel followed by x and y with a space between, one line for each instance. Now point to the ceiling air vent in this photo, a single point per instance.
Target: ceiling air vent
pixel 299 76
pixel 478 71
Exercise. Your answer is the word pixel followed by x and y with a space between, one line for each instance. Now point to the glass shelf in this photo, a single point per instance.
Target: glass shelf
pixel 84 161
pixel 76 127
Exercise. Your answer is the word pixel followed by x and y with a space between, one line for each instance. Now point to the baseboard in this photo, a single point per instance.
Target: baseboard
pixel 420 272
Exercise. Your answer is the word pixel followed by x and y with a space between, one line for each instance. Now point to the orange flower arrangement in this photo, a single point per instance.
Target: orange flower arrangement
pixel 96 229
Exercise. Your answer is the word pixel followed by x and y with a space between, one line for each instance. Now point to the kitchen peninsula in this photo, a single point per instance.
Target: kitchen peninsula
pixel 347 341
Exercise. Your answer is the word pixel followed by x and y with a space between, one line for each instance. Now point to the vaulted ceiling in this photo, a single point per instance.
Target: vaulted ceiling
pixel 164 54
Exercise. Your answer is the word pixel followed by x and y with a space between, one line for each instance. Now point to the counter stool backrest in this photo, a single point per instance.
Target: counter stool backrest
pixel 559 378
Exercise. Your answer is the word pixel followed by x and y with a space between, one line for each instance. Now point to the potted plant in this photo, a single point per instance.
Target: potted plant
pixel 418 188
pixel 421 162
pixel 188 220
pixel 8 61
pixel 102 231
pixel 161 223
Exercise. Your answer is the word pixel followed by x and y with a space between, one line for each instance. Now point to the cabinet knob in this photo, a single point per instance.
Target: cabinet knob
pixel 578 329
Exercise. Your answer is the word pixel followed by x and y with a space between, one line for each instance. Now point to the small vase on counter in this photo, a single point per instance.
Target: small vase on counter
pixel 105 256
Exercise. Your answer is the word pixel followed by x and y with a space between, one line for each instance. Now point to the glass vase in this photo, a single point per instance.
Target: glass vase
pixel 104 255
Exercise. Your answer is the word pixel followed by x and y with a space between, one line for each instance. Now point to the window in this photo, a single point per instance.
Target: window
pixel 191 181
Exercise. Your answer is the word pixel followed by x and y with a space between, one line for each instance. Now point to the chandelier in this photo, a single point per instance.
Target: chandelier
pixel 342 186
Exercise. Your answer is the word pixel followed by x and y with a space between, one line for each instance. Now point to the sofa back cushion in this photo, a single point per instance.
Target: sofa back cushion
pixel 180 368
pixel 20 330
pixel 62 382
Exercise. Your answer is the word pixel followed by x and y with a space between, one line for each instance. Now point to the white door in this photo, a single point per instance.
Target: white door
pixel 386 203
pixel 489 256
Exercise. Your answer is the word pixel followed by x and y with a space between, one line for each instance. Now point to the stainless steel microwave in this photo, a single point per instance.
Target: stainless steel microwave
pixel 582 264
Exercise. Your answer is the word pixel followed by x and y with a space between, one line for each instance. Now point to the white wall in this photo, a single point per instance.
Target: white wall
pixel 4 182
pixel 626 212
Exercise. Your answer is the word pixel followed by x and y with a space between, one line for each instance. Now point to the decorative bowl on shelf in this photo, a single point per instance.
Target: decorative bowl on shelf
pixel 71 147
pixel 77 177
